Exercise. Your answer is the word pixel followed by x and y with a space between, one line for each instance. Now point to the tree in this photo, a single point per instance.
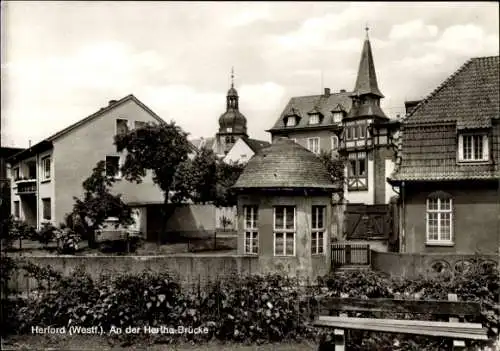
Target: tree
pixel 227 175
pixel 158 148
pixel 334 165
pixel 97 204
pixel 206 179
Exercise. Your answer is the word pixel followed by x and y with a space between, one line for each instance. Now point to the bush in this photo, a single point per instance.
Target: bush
pixel 46 234
pixel 67 240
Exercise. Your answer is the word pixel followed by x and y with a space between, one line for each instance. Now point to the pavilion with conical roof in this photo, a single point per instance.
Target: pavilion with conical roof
pixel 285 210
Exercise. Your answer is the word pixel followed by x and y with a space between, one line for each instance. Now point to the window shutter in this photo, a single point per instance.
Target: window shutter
pixel 460 147
pixel 486 149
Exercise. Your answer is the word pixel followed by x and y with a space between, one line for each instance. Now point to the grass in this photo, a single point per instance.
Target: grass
pixel 80 342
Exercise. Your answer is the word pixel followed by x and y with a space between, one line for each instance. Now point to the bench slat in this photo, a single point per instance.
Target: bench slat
pixel 382 326
pixel 435 307
pixel 415 323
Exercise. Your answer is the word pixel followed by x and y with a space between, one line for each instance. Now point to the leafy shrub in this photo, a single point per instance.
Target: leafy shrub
pixel 67 240
pixel 46 234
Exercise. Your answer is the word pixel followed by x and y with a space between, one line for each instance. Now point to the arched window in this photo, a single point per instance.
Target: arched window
pixel 439 218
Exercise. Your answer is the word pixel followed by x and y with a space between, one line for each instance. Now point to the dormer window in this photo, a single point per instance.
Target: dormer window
pixel 473 147
pixel 314 119
pixel 337 117
pixel 291 121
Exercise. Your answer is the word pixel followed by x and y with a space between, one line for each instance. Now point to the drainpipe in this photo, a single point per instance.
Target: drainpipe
pixel 402 245
pixel 37 182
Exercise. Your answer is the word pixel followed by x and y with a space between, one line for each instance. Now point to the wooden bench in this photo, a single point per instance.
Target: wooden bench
pixel 458 331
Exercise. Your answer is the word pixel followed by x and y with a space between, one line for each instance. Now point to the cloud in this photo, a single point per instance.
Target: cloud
pixel 415 29
pixel 469 40
pixel 249 15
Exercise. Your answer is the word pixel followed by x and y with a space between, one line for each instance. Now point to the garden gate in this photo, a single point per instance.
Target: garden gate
pixel 365 222
pixel 346 254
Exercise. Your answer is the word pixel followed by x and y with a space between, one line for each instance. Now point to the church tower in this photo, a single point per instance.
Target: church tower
pixel 366 136
pixel 232 123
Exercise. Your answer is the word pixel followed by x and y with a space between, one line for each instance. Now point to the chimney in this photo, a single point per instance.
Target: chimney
pixel 327 91
pixel 111 102
pixel 342 90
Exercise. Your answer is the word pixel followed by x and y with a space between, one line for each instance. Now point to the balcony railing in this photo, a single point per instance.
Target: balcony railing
pixel 26 186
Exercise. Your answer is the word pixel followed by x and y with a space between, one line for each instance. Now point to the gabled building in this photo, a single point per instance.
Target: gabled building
pixel 448 169
pixel 46 176
pixel 351 124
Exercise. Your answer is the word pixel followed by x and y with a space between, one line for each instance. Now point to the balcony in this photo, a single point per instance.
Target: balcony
pixel 26 187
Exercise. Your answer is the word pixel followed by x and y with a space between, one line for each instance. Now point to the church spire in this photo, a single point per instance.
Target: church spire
pixel 232 77
pixel 366 82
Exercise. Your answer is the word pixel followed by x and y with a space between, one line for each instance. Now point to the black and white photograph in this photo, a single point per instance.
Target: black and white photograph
pixel 250 176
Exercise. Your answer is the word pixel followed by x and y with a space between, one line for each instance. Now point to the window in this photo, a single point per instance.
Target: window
pixel 473 147
pixel 46 209
pixel 121 126
pixel 229 129
pixel 357 171
pixel 355 132
pixel 113 167
pixel 251 230
pixel 313 145
pixel 32 170
pixel 318 230
pixel 140 124
pixel 284 231
pixel 337 117
pixel 348 132
pixel 46 167
pixel 15 173
pixel 16 209
pixel 314 119
pixel 290 121
pixel 362 131
pixel 439 218
pixel 335 142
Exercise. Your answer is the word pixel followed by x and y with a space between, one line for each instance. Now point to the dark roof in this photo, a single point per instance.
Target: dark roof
pixel 470 96
pixel 285 164
pixel 303 105
pixel 47 142
pixel 366 82
pixel 255 144
pixel 467 99
pixel 6 152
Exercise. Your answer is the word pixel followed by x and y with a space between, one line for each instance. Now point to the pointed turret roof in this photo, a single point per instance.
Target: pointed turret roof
pixel 366 83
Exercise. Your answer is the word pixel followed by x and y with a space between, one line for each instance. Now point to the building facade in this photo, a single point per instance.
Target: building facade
pixel 351 125
pixel 448 169
pixel 285 211
pixel 47 176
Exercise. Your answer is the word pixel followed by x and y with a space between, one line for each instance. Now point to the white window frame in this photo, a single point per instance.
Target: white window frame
pixel 49 209
pixel 314 119
pixel 439 211
pixel 289 121
pixel 121 119
pixel 485 147
pixel 317 232
pixel 310 146
pixel 284 231
pixel 337 117
pixel 18 209
pixel 46 175
pixel 334 142
pixel 118 175
pixel 251 231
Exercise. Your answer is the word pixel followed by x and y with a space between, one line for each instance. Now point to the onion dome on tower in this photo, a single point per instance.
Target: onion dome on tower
pixel 232 121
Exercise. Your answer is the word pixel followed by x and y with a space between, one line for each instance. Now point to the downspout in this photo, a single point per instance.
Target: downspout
pixel 402 245
pixel 37 182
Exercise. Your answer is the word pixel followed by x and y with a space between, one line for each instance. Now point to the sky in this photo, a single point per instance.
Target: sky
pixel 62 61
